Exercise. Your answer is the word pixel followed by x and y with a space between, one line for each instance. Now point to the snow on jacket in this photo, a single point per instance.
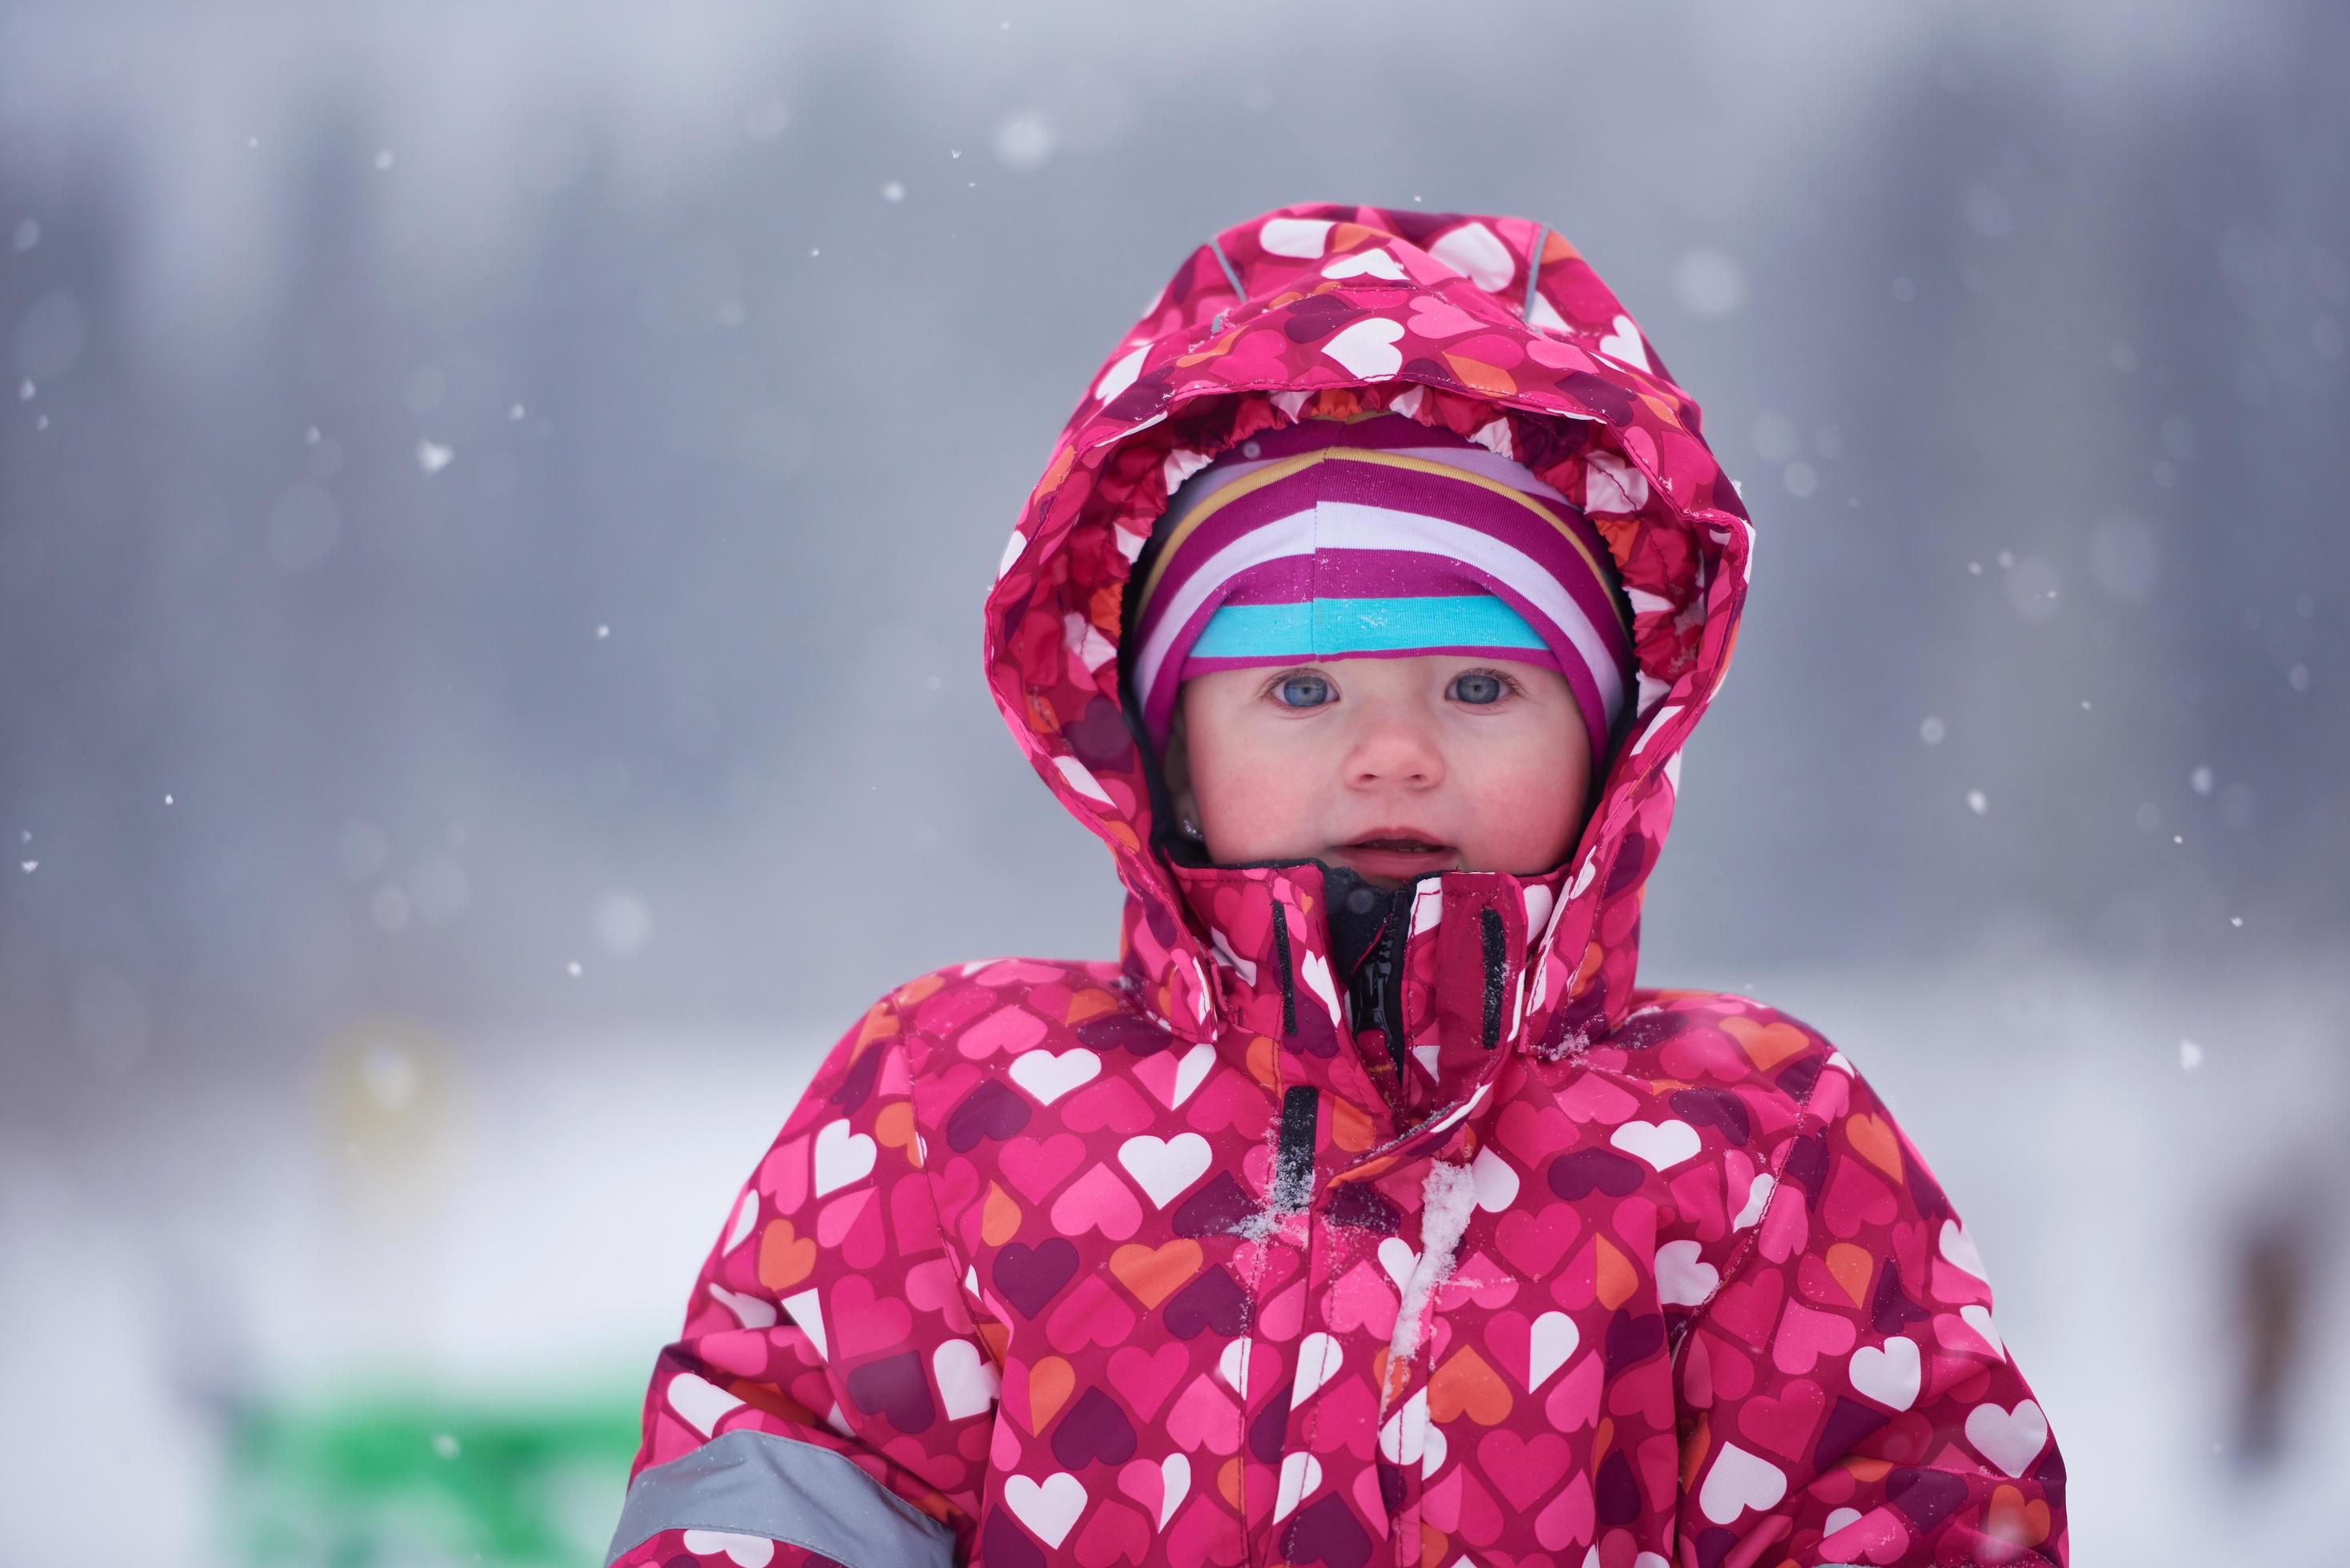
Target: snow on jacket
pixel 1143 1261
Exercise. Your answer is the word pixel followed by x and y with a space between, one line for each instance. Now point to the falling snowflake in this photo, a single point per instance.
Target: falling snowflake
pixel 2191 1055
pixel 432 457
pixel 1978 802
pixel 1027 139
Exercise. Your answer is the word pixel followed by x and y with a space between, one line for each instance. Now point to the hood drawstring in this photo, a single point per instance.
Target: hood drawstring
pixel 1497 964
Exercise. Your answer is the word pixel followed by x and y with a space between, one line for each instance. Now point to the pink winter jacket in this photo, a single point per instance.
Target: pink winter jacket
pixel 1145 1262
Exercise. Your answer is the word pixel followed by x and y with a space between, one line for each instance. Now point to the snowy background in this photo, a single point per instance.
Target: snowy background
pixel 493 504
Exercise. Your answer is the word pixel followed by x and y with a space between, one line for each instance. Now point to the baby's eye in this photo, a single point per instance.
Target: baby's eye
pixel 1477 688
pixel 1302 692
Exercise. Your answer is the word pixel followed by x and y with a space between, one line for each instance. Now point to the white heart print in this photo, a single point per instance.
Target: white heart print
pixel 967 1380
pixel 742 1550
pixel 842 1156
pixel 1552 1341
pixel 1047 1077
pixel 1740 1480
pixel 1048 1508
pixel 1367 348
pixel 1683 1278
pixel 2011 1439
pixel 1165 1167
pixel 1663 1145
pixel 1891 1376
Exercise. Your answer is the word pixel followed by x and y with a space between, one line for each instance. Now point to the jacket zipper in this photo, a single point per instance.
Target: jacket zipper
pixel 1384 987
pixel 1389 982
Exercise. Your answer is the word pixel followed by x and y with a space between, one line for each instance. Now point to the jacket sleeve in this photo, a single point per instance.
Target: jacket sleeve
pixel 1844 1394
pixel 828 1399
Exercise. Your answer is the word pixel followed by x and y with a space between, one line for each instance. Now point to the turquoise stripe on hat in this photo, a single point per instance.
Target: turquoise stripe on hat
pixel 1326 628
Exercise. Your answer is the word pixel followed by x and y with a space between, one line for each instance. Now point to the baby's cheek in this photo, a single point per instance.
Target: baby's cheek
pixel 1260 808
pixel 1526 806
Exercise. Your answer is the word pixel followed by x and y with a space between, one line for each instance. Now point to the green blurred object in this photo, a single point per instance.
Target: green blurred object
pixel 385 1480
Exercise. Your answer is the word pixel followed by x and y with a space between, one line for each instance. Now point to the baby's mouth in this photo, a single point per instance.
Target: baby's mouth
pixel 1390 857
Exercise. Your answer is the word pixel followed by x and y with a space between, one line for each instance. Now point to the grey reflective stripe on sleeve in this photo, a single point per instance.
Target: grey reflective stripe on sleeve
pixel 1533 273
pixel 1230 276
pixel 756 1483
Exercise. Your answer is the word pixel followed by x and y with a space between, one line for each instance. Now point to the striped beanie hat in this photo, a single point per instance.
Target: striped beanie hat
pixel 1333 539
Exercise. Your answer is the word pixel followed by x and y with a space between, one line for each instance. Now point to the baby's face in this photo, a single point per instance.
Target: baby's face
pixel 1392 767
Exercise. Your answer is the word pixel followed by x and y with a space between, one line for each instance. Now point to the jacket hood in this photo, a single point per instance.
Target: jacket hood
pixel 1493 328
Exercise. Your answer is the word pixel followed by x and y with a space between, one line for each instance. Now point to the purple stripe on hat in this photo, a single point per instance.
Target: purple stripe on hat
pixel 1346 575
pixel 1198 666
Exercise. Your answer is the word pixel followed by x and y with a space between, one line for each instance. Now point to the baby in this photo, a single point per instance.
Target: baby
pixel 1365 1210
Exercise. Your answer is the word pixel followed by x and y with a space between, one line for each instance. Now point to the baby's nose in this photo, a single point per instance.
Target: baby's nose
pixel 1395 750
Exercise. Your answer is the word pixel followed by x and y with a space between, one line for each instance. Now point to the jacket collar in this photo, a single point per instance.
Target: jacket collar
pixel 1472 985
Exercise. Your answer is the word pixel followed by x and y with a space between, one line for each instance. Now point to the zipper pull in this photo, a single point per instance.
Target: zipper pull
pixel 1385 1024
